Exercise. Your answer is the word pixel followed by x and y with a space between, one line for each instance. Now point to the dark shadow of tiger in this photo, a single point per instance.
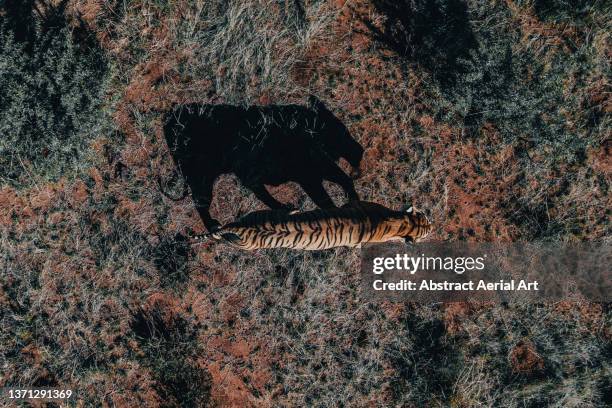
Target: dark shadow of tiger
pixel 261 145
pixel 350 226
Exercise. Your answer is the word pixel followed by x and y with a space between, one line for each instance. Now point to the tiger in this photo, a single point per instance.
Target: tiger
pixel 350 226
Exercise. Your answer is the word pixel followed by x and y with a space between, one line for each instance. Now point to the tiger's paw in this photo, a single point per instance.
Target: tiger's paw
pixel 213 228
pixel 290 209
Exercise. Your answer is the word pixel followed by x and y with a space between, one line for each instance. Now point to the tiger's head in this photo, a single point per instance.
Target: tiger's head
pixel 416 225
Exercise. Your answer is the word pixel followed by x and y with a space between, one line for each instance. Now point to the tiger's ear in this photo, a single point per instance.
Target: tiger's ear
pixel 315 104
pixel 408 208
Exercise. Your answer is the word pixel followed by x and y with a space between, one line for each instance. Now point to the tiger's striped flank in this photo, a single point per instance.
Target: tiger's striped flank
pixel 361 222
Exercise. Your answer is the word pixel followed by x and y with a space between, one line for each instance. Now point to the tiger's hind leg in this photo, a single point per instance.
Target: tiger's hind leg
pixel 318 194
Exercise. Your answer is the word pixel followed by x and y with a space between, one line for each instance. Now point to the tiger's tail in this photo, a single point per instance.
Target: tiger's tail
pixel 217 236
pixel 202 238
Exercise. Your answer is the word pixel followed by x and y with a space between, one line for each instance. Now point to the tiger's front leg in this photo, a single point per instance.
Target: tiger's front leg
pixel 202 191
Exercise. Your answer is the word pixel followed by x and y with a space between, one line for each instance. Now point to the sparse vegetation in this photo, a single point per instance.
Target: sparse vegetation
pixel 494 116
pixel 52 78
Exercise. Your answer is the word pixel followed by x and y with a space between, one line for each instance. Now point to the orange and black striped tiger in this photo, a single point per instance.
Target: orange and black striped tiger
pixel 351 225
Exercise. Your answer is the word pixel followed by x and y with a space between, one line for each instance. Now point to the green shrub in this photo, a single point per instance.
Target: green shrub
pixel 52 81
pixel 568 10
pixel 170 352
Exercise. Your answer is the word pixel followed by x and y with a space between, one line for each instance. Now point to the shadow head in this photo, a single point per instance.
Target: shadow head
pixel 336 139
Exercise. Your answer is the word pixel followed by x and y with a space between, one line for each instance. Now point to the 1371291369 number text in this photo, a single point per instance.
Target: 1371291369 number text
pixel 15 393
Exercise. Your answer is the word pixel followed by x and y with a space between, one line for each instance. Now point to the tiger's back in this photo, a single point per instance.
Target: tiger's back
pixel 322 229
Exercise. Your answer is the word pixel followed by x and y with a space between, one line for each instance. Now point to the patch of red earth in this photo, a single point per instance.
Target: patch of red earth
pixel 237 354
pixel 139 213
pixel 600 159
pixel 239 367
pixel 32 354
pixel 599 94
pixel 524 358
pixel 475 180
pixel 231 200
pixel 24 210
pixel 456 313
pixel 139 388
pixel 228 389
pixel 394 310
pixel 42 199
pixel 291 193
pixel 99 187
pixel 165 306
pixel 79 194
pixel 590 315
pixel 10 206
pixel 543 36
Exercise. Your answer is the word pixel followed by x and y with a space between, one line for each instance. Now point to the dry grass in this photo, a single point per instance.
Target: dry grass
pixel 100 291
